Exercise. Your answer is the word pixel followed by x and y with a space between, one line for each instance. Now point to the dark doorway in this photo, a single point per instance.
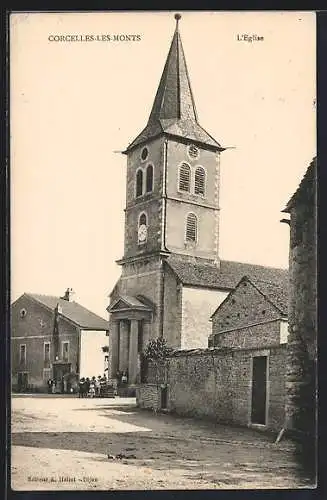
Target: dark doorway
pixel 259 390
pixel 22 381
pixel 59 371
pixel 164 398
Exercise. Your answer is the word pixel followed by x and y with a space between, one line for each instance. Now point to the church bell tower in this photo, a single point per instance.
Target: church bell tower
pixel 172 208
pixel 172 196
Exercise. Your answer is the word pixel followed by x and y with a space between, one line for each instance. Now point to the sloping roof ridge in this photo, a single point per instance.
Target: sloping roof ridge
pixel 227 298
pixel 42 295
pixel 270 283
pixel 37 296
pixel 255 265
pixel 267 297
pixel 306 174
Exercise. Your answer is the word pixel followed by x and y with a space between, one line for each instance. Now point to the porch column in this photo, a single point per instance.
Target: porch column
pixel 146 333
pixel 113 349
pixel 133 361
pixel 124 347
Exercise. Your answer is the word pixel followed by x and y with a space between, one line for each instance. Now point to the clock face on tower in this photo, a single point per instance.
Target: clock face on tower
pixel 142 233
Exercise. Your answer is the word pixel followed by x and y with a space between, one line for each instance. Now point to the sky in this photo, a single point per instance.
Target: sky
pixel 74 106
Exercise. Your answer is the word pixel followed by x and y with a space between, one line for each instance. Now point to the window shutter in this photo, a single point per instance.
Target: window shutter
pixel 184 177
pixel 149 178
pixel 199 184
pixel 191 227
pixel 139 183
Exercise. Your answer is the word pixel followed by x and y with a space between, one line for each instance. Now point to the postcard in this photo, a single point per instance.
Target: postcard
pixel 163 250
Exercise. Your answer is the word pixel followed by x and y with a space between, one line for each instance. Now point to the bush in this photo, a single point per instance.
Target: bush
pixel 157 349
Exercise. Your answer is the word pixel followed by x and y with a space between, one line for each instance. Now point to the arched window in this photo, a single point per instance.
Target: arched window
pixel 149 178
pixel 191 227
pixel 142 219
pixel 199 181
pixel 184 177
pixel 139 183
pixel 142 229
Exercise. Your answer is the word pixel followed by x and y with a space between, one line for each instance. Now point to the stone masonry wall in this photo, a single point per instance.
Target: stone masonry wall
pixel 302 351
pixel 244 306
pixel 216 384
pixel 148 396
pixel 172 309
pixel 261 335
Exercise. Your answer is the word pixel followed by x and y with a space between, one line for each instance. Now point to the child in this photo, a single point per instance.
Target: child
pixel 92 387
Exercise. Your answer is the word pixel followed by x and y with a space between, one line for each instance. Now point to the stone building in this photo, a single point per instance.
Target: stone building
pixel 172 277
pixel 302 345
pixel 52 336
pixel 240 378
pixel 254 314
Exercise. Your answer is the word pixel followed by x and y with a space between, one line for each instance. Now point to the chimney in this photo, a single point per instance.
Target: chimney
pixel 68 294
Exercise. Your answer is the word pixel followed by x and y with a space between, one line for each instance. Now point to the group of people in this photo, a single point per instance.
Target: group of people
pixel 51 386
pixel 67 384
pixel 88 386
pixel 91 387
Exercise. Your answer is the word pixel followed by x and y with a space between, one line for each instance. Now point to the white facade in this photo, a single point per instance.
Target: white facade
pixel 92 357
pixel 198 304
pixel 283 331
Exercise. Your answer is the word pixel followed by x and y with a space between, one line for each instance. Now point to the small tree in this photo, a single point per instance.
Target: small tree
pixel 156 351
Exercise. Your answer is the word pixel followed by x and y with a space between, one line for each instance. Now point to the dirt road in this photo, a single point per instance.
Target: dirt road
pixel 108 444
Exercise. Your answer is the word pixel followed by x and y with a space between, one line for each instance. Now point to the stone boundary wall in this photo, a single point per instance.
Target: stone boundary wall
pixel 217 384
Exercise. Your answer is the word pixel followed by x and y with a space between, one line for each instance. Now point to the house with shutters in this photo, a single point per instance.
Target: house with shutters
pixel 172 277
pixel 53 336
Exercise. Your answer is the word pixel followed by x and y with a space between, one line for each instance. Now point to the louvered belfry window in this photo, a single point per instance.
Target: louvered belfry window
pixel 191 227
pixel 149 178
pixel 139 183
pixel 184 177
pixel 199 181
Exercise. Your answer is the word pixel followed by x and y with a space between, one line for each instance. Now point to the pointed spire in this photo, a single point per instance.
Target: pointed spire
pixel 173 112
pixel 174 98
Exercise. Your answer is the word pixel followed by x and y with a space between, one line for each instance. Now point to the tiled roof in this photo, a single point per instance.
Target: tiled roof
pixel 73 311
pixel 277 294
pixel 227 276
pixel 306 186
pixel 173 111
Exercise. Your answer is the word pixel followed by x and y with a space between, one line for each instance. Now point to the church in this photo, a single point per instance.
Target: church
pixel 172 279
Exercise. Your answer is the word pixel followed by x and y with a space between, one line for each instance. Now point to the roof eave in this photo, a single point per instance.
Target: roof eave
pixel 182 138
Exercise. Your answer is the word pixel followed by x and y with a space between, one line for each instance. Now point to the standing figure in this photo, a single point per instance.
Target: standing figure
pixel 81 388
pixel 92 387
pixel 98 386
pixel 102 386
pixel 124 378
pixel 87 386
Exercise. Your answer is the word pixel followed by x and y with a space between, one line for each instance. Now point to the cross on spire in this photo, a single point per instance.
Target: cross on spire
pixel 173 111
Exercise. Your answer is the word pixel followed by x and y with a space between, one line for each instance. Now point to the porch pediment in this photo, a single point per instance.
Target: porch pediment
pixel 128 303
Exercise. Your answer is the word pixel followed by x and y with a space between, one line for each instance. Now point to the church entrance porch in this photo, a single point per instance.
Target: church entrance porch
pixel 129 332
